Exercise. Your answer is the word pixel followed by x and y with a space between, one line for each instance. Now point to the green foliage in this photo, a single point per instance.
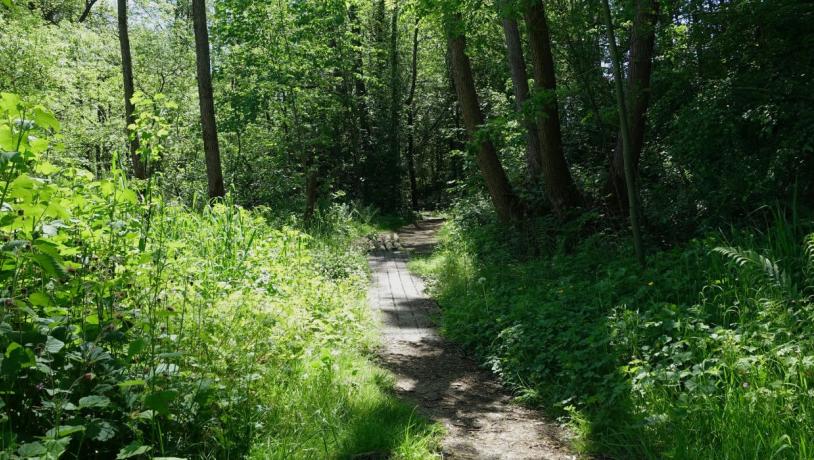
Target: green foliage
pixel 731 126
pixel 132 326
pixel 706 353
pixel 138 321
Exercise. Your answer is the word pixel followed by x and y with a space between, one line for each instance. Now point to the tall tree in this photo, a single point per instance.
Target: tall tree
pixel 410 103
pixel 214 174
pixel 640 68
pixel 395 109
pixel 139 169
pixel 559 185
pixel 520 83
pixel 621 104
pixel 506 203
pixel 361 136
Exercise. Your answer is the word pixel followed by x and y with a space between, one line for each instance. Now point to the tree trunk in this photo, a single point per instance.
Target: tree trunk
pixel 627 145
pixel 410 103
pixel 642 43
pixel 504 200
pixel 311 188
pixel 395 108
pixel 559 185
pixel 139 170
pixel 360 99
pixel 520 82
pixel 86 12
pixel 214 174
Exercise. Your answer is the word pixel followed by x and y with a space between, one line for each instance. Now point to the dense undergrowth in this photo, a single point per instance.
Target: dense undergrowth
pixel 706 353
pixel 133 326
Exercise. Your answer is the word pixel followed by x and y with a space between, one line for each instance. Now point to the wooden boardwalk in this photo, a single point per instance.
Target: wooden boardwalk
pixel 480 418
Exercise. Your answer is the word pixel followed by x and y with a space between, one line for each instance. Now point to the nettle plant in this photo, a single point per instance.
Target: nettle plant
pixel 85 364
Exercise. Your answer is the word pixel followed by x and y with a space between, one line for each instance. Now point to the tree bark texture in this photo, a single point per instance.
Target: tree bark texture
pixel 410 103
pixel 520 83
pixel 559 185
pixel 214 174
pixel 640 69
pixel 627 144
pixel 503 198
pixel 139 169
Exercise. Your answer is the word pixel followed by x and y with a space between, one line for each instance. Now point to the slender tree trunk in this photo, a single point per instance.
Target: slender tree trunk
pixel 101 151
pixel 395 108
pixel 214 174
pixel 627 146
pixel 139 171
pixel 505 201
pixel 520 82
pixel 360 93
pixel 455 140
pixel 410 103
pixel 559 185
pixel 642 44
pixel 311 188
pixel 86 12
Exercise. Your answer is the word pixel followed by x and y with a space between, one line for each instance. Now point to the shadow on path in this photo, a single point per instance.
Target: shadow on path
pixel 478 414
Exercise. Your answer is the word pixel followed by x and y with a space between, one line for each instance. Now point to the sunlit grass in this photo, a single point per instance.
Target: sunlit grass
pixel 339 407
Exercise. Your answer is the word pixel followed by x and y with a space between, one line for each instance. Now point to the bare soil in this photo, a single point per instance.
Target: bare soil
pixel 481 419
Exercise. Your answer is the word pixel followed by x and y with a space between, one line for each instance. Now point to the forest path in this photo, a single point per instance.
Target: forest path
pixel 480 419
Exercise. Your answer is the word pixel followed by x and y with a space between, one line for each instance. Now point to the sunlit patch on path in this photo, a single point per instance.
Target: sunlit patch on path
pixel 479 416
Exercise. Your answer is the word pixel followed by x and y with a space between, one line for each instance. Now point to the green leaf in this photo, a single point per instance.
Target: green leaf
pixel 128 196
pixel 55 448
pixel 7 141
pixel 106 187
pixel 31 449
pixel 38 145
pixel 50 265
pixel 101 431
pixel 45 119
pixel 17 357
pixel 145 415
pixel 64 430
pixel 160 401
pixel 132 383
pixel 131 450
pixel 54 345
pixel 45 168
pixel 136 347
pixel 11 347
pixel 21 187
pixel 9 103
pixel 39 299
pixel 48 449
pixel 46 247
pixel 94 401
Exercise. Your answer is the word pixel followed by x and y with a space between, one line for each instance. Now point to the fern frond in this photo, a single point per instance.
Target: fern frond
pixel 749 258
pixel 808 267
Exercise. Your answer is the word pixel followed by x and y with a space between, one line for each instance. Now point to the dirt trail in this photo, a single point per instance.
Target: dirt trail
pixel 480 418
